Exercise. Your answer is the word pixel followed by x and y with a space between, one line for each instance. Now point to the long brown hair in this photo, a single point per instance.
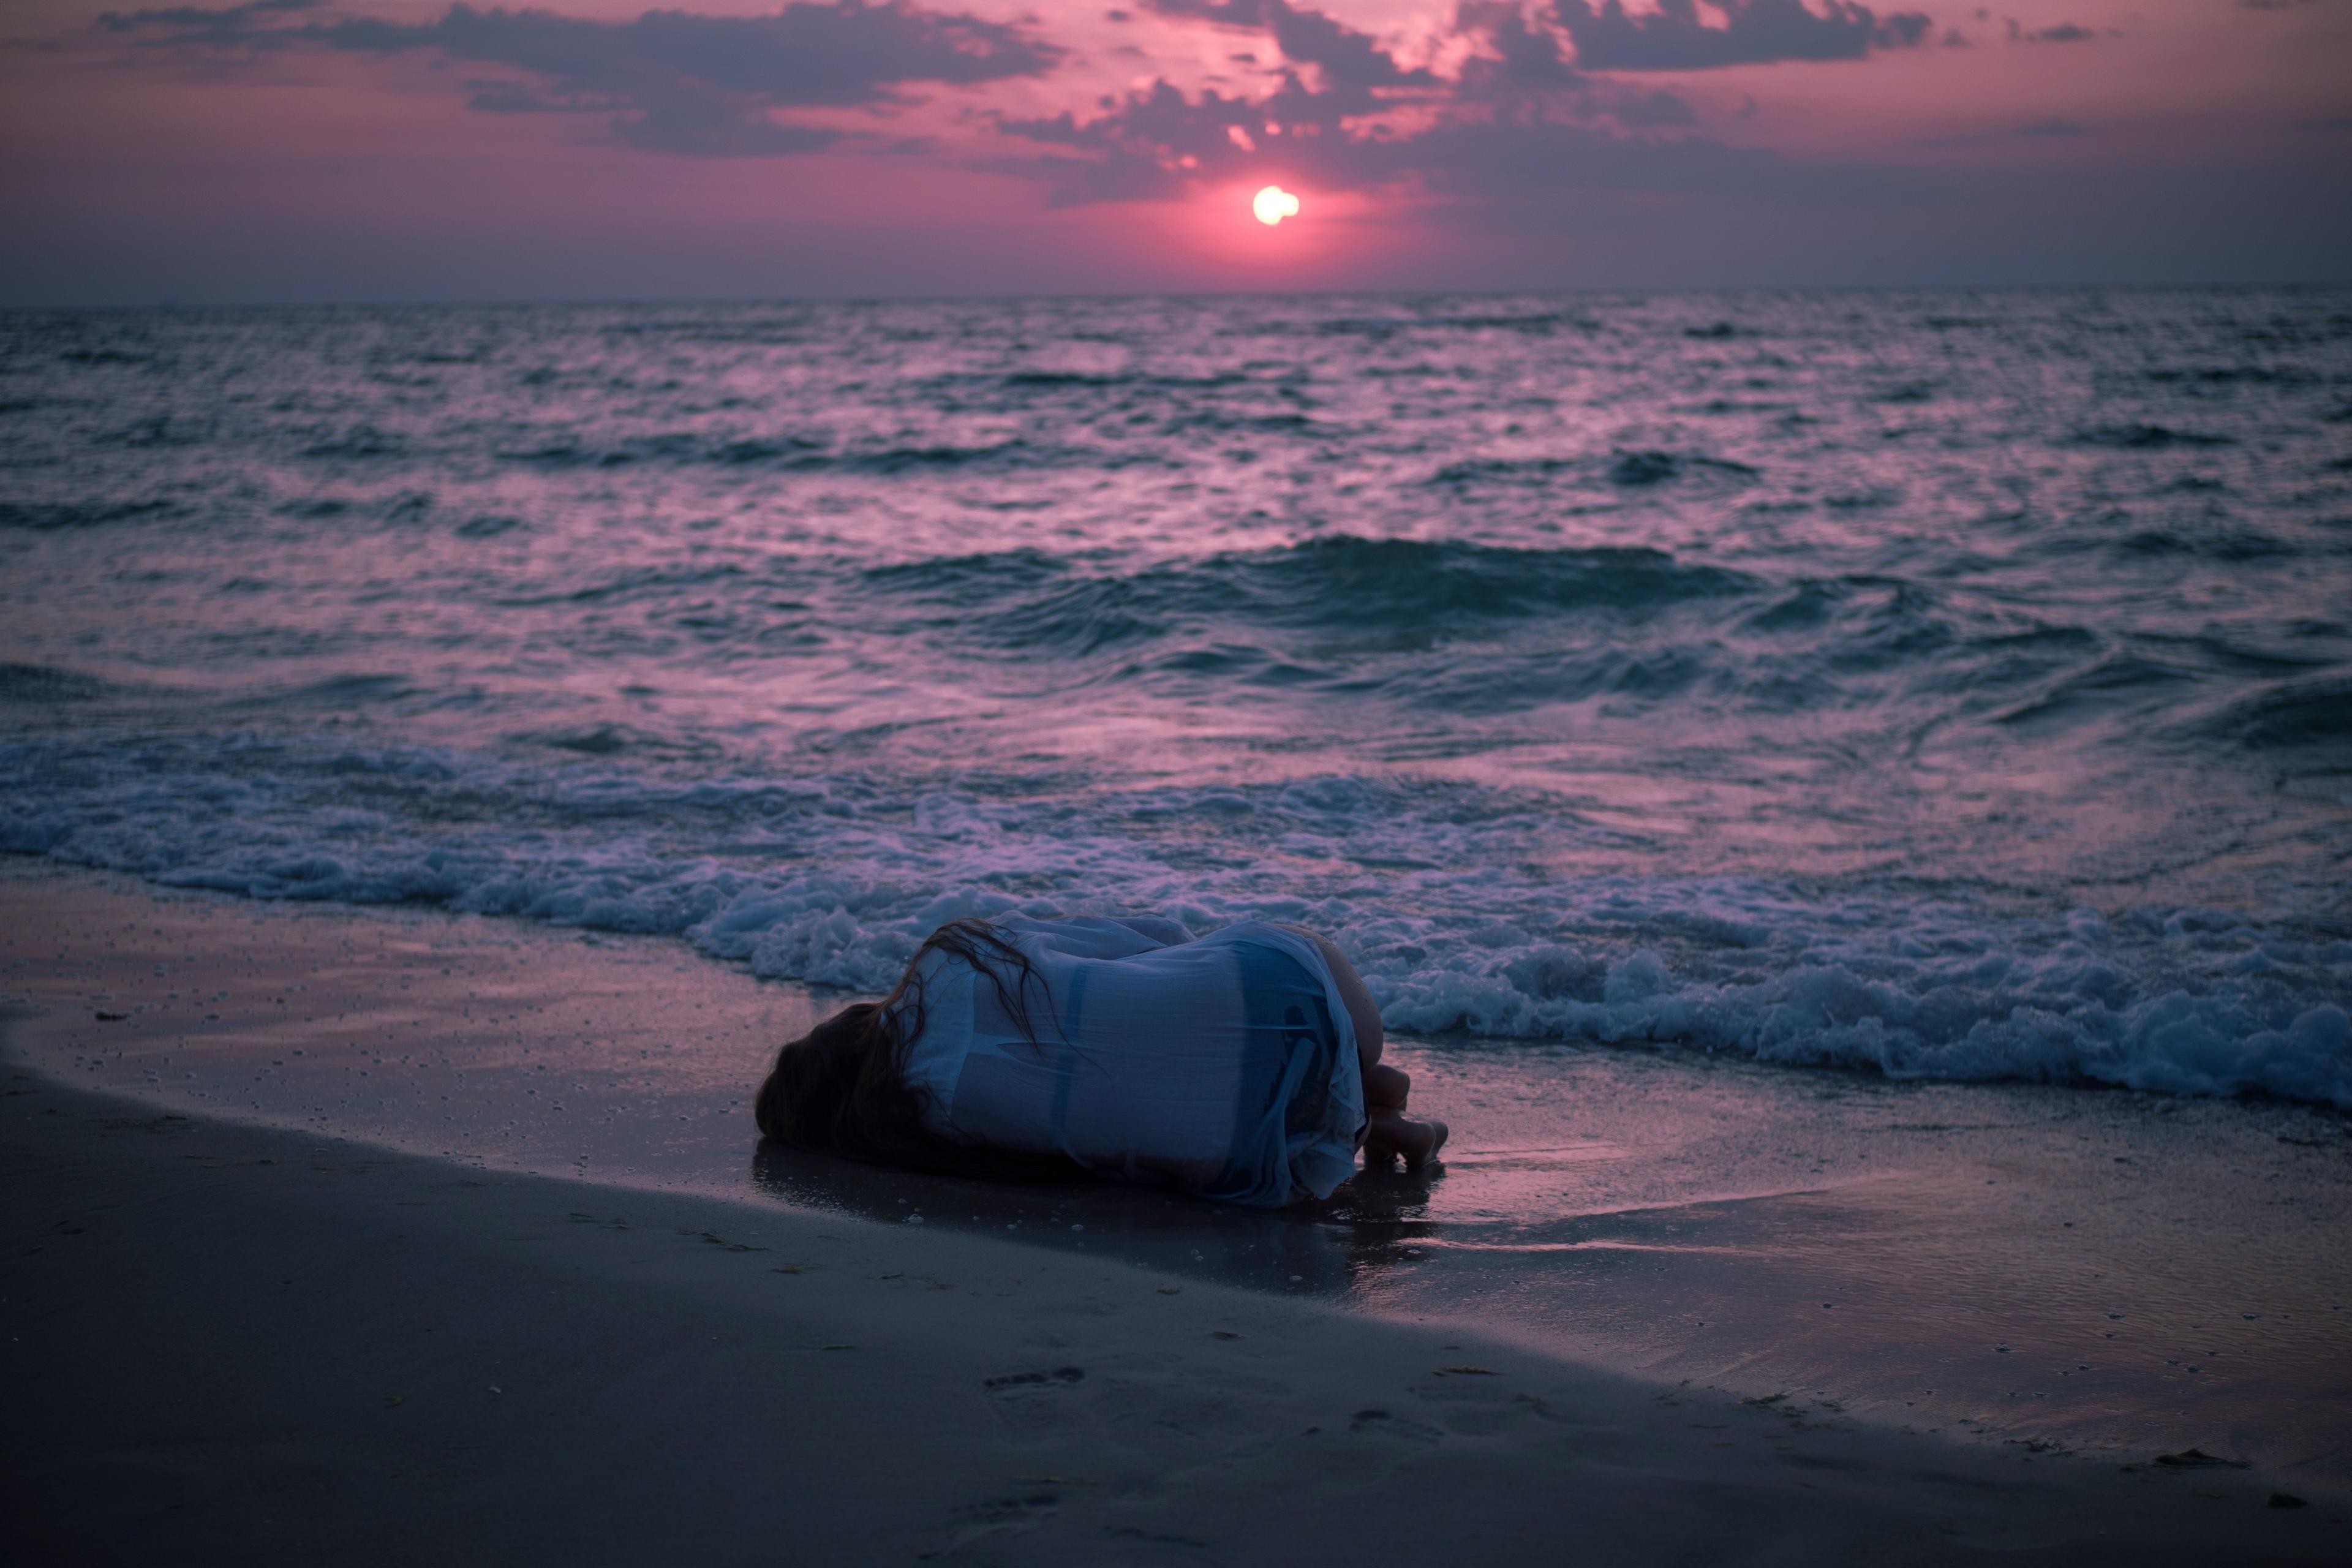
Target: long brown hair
pixel 841 1087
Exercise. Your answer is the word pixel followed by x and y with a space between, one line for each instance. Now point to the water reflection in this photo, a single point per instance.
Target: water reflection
pixel 1330 1248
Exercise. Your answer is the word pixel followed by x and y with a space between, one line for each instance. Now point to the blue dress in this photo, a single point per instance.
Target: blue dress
pixel 1225 1065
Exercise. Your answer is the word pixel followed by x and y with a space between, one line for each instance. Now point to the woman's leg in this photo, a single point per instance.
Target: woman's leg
pixel 1361 1011
pixel 1388 1130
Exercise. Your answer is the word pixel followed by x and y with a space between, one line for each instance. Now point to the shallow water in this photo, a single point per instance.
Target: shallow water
pixel 2030 1263
pixel 1953 684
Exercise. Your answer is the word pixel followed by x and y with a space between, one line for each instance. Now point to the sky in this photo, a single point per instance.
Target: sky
pixel 400 150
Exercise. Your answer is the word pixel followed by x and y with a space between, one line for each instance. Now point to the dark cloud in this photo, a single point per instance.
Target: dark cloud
pixel 2064 33
pixel 2037 130
pixel 1517 157
pixel 677 82
pixel 233 26
pixel 1521 68
pixel 1526 119
pixel 1532 112
pixel 1350 62
pixel 1515 57
pixel 492 95
pixel 805 55
pixel 1675 38
pixel 1154 142
pixel 1643 110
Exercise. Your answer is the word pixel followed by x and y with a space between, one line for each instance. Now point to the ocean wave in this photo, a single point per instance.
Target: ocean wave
pixel 936 455
pixel 1503 470
pixel 1484 631
pixel 2316 711
pixel 47 517
pixel 833 879
pixel 611 739
pixel 1533 322
pixel 2141 438
pixel 793 453
pixel 1656 468
pixel 2216 543
pixel 1410 590
pixel 42 684
pixel 1625 470
pixel 104 356
pixel 1105 381
pixel 360 443
pixel 2235 374
pixel 2116 682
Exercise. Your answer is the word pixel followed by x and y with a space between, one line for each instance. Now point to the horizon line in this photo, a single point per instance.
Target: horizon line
pixel 493 301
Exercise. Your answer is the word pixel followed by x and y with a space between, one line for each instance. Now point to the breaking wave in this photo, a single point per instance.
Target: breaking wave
pixel 833 879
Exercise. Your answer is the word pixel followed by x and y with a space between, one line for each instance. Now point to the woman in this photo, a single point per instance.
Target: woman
pixel 1243 1066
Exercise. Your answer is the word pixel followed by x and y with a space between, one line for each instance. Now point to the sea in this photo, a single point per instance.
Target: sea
pixel 1941 685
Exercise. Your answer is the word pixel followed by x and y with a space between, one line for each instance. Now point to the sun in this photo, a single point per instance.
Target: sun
pixel 1273 205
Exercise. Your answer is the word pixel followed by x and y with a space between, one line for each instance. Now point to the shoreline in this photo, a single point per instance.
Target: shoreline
pixel 237 1343
pixel 1685 1223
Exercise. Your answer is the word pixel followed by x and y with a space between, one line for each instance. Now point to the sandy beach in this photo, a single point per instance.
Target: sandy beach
pixel 234 1342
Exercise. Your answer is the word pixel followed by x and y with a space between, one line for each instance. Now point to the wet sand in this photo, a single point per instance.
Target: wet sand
pixel 217 1318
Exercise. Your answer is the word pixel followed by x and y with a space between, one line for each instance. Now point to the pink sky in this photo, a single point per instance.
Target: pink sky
pixel 311 149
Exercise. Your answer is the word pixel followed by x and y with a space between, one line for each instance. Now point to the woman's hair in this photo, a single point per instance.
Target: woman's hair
pixel 841 1087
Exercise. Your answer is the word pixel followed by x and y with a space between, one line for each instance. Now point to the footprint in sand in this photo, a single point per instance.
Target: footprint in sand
pixel 1386 1422
pixel 1029 1402
pixel 1002 1516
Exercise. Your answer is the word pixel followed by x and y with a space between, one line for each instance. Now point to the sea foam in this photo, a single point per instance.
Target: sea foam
pixel 832 879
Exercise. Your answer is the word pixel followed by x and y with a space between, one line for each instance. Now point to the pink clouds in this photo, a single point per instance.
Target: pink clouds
pixel 1467 139
pixel 672 81
pixel 1675 38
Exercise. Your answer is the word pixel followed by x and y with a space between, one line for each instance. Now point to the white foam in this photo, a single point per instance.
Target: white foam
pixel 834 879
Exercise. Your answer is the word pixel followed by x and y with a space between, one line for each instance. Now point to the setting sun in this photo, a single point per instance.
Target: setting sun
pixel 1273 205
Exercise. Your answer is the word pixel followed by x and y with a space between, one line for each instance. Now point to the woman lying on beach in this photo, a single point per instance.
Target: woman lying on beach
pixel 1243 1066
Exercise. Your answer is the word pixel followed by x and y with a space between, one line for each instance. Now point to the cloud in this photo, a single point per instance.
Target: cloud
pixel 1531 109
pixel 1526 118
pixel 233 26
pixel 2036 130
pixel 1515 56
pixel 1504 163
pixel 1349 61
pixel 1518 66
pixel 1756 32
pixel 677 82
pixel 2064 33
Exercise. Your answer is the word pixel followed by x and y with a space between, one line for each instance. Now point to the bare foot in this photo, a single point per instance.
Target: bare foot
pixel 1389 1132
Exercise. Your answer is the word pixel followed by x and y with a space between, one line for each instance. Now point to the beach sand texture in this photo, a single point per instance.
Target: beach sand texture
pixel 242 1342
